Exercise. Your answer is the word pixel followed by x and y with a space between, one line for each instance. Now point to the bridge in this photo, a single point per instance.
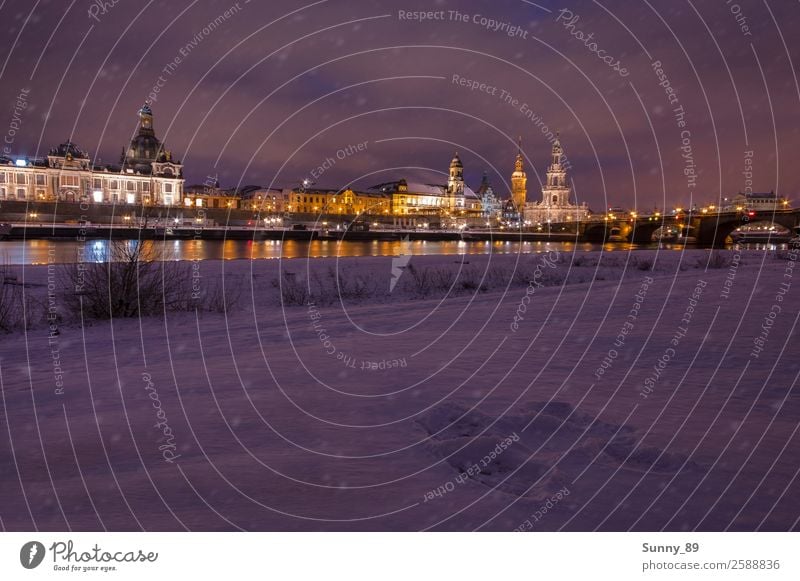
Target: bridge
pixel 711 229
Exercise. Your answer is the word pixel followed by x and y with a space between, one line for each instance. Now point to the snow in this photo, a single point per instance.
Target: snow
pixel 374 410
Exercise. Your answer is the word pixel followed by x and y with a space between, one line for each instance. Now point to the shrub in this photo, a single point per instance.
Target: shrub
pixel 292 291
pixel 718 260
pixel 130 279
pixel 12 301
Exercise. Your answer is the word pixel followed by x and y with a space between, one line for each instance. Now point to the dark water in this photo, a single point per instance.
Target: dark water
pixel 61 251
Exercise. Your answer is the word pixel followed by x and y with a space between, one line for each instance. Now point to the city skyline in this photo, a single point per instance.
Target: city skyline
pixel 417 103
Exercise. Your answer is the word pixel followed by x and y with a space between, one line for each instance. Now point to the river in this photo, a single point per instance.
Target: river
pixel 30 252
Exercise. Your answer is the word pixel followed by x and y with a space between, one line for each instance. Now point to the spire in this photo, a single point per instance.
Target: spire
pixel 519 163
pixel 485 186
pixel 557 149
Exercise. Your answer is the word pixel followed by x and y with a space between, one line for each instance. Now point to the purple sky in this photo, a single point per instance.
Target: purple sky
pixel 277 88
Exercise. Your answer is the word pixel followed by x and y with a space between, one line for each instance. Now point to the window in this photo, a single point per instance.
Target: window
pixel 130 198
pixel 198 202
pixel 130 186
pixel 97 184
pixel 167 200
pixel 114 185
pixel 70 181
pixel 40 179
pixel 2 193
pixel 145 186
pixel 168 188
pixel 2 177
pixel 98 197
pixel 41 194
pixel 20 193
pixel 21 179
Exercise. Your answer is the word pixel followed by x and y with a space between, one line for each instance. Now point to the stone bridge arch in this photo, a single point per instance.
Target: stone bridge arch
pixel 714 230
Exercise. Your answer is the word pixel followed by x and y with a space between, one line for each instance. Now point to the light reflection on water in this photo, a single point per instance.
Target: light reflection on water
pixel 64 251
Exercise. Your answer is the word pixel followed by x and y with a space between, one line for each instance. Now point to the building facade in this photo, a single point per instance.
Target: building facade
pixel 342 202
pixel 147 174
pixel 491 207
pixel 555 206
pixel 409 198
pixel 759 202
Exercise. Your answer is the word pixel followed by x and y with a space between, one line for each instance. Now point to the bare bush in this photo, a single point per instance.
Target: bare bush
pixel 470 280
pixel 420 280
pixel 293 292
pixel 221 296
pixel 718 259
pixel 129 279
pixel 646 263
pixel 12 301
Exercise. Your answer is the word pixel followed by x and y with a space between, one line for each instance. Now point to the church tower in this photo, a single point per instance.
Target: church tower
pixel 555 193
pixel 519 181
pixel 455 183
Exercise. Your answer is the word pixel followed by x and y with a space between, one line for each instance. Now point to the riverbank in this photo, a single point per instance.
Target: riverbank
pixel 357 408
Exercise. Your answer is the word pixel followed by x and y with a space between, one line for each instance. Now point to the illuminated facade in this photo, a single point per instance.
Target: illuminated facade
pixel 344 202
pixel 413 198
pixel 555 206
pixel 147 174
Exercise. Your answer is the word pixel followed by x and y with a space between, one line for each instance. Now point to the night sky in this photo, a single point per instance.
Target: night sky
pixel 274 89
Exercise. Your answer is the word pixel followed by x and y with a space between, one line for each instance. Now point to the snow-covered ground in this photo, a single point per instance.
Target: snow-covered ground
pixel 611 391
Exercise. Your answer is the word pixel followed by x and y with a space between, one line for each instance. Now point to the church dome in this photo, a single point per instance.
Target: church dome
pixel 145 147
pixel 68 148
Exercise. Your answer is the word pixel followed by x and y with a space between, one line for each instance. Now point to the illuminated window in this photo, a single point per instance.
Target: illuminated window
pixel 97 196
pixel 130 198
pixel 70 181
pixel 198 202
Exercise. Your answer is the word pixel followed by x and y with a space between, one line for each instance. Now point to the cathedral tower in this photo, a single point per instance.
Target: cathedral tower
pixel 556 192
pixel 519 181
